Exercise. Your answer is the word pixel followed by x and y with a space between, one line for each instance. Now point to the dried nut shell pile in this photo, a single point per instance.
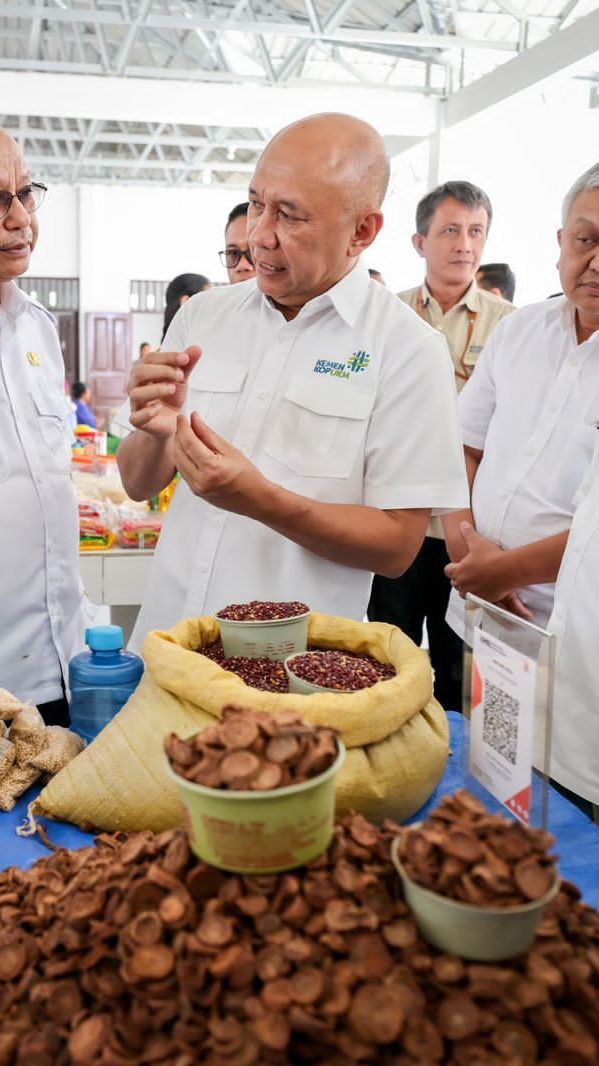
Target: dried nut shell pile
pixel 339 671
pixel 253 751
pixel 262 611
pixel 463 852
pixel 133 952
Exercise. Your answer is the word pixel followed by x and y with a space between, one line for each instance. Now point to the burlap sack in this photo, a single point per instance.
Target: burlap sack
pixel 395 732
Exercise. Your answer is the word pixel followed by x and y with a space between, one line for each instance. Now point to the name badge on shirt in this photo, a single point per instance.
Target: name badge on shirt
pixel 476 349
pixel 34 359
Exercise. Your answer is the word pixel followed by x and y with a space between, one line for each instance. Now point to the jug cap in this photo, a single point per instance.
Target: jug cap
pixel 104 638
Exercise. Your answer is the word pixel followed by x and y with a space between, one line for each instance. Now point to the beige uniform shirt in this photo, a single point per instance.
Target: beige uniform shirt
pixel 466 327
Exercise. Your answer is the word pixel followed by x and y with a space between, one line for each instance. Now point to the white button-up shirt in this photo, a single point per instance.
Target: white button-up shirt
pixel 351 402
pixel 575 622
pixel 529 406
pixel 40 621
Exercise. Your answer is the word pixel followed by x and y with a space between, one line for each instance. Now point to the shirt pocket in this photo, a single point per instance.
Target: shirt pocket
pixel 54 427
pixel 215 393
pixel 319 426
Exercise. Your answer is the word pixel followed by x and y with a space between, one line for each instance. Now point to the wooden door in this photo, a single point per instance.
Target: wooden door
pixel 108 360
pixel 67 323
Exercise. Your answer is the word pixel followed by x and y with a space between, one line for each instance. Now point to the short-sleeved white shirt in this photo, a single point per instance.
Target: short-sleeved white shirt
pixel 351 402
pixel 575 622
pixel 40 620
pixel 528 406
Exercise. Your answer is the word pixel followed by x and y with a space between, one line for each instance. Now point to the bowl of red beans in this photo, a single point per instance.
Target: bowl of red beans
pixel 264 628
pixel 334 671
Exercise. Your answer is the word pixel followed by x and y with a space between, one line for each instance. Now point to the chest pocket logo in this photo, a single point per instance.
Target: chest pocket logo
pixel 319 426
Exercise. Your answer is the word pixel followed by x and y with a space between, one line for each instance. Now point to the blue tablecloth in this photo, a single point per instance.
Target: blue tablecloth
pixel 577 838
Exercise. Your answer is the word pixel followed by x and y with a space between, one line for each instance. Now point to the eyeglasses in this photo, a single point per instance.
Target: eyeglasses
pixel 31 197
pixel 231 257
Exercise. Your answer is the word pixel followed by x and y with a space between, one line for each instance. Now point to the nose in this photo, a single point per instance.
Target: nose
pixel 18 217
pixel 262 230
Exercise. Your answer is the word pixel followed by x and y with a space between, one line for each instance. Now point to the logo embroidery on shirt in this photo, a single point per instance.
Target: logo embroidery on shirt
pixel 34 359
pixel 476 349
pixel 358 362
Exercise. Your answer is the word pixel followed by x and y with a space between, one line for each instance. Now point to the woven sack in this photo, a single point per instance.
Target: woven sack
pixel 395 732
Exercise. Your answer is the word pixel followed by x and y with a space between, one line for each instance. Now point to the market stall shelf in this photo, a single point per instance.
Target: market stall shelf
pixel 117 578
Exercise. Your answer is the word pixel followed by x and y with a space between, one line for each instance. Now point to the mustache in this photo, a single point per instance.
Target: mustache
pixel 26 237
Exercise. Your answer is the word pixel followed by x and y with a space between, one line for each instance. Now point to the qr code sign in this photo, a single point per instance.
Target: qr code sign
pixel 500 721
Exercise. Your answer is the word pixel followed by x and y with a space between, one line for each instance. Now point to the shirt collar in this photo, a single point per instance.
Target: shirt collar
pixel 12 299
pixel 347 296
pixel 470 299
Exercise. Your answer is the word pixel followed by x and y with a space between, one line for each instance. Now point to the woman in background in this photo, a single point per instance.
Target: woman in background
pixel 81 397
pixel 178 292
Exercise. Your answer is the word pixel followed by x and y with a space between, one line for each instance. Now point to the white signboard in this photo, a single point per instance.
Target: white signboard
pixel 502 721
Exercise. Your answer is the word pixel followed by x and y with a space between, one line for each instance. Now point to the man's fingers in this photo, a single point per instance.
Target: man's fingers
pixel 144 373
pixel 468 533
pixel 144 394
pixel 206 435
pixel 450 570
pixel 512 602
pixel 193 353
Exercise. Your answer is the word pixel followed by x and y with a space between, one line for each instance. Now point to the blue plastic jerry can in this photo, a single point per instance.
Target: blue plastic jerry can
pixel 101 680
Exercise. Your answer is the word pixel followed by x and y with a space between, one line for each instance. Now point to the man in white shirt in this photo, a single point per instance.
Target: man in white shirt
pixel 40 621
pixel 527 418
pixel 452 225
pixel 324 424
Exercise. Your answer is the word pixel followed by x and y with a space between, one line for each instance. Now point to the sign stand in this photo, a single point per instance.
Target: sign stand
pixel 508 706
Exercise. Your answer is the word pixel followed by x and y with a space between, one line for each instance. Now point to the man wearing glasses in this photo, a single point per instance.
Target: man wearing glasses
pixel 41 598
pixel 236 256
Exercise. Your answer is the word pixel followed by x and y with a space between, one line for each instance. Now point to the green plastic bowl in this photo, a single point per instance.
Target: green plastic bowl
pixel 274 639
pixel 260 832
pixel 307 688
pixel 484 934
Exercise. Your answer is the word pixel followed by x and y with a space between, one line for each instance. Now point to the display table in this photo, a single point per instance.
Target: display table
pixel 577 838
pixel 117 577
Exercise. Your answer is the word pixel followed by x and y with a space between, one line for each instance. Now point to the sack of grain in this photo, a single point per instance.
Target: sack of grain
pixel 395 732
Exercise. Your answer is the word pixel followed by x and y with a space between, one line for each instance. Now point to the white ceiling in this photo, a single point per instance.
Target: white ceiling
pixel 177 91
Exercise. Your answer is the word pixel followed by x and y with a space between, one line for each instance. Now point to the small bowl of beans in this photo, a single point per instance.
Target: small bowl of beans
pixel 334 671
pixel 264 629
pixel 257 789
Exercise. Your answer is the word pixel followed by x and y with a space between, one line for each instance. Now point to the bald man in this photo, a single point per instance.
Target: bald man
pixel 310 414
pixel 40 621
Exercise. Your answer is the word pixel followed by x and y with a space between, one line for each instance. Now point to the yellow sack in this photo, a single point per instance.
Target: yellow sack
pixel 395 732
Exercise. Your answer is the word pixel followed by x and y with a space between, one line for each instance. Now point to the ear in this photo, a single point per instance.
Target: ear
pixel 368 226
pixel 559 237
pixel 418 244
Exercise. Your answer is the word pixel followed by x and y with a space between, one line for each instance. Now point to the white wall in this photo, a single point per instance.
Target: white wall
pixel 57 251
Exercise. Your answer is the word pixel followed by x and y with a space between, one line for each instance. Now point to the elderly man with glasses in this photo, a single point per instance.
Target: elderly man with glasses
pixel 40 622
pixel 236 257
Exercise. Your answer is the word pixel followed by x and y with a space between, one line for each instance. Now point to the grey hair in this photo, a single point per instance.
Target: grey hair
pixel 463 191
pixel 588 180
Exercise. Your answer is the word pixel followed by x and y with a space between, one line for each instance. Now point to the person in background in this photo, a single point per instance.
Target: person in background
pixel 376 276
pixel 295 483
pixel 178 291
pixel 41 625
pixel 498 278
pixel 452 225
pixel 529 423
pixel 236 256
pixel 144 348
pixel 81 397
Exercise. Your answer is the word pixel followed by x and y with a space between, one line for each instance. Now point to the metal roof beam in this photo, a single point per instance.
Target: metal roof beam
pixel 281 29
pixel 555 53
pixel 116 163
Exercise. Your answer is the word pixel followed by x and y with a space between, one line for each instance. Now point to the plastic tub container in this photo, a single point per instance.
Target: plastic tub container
pixel 101 680
pixel 273 639
pixel 308 688
pixel 260 832
pixel 484 934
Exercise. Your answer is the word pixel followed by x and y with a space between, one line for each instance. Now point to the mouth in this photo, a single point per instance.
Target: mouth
pixel 15 249
pixel 591 286
pixel 268 269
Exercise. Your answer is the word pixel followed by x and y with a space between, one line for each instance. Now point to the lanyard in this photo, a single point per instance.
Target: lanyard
pixel 464 372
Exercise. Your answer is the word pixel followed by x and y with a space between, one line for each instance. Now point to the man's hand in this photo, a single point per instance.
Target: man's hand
pixel 215 470
pixel 157 390
pixel 481 571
